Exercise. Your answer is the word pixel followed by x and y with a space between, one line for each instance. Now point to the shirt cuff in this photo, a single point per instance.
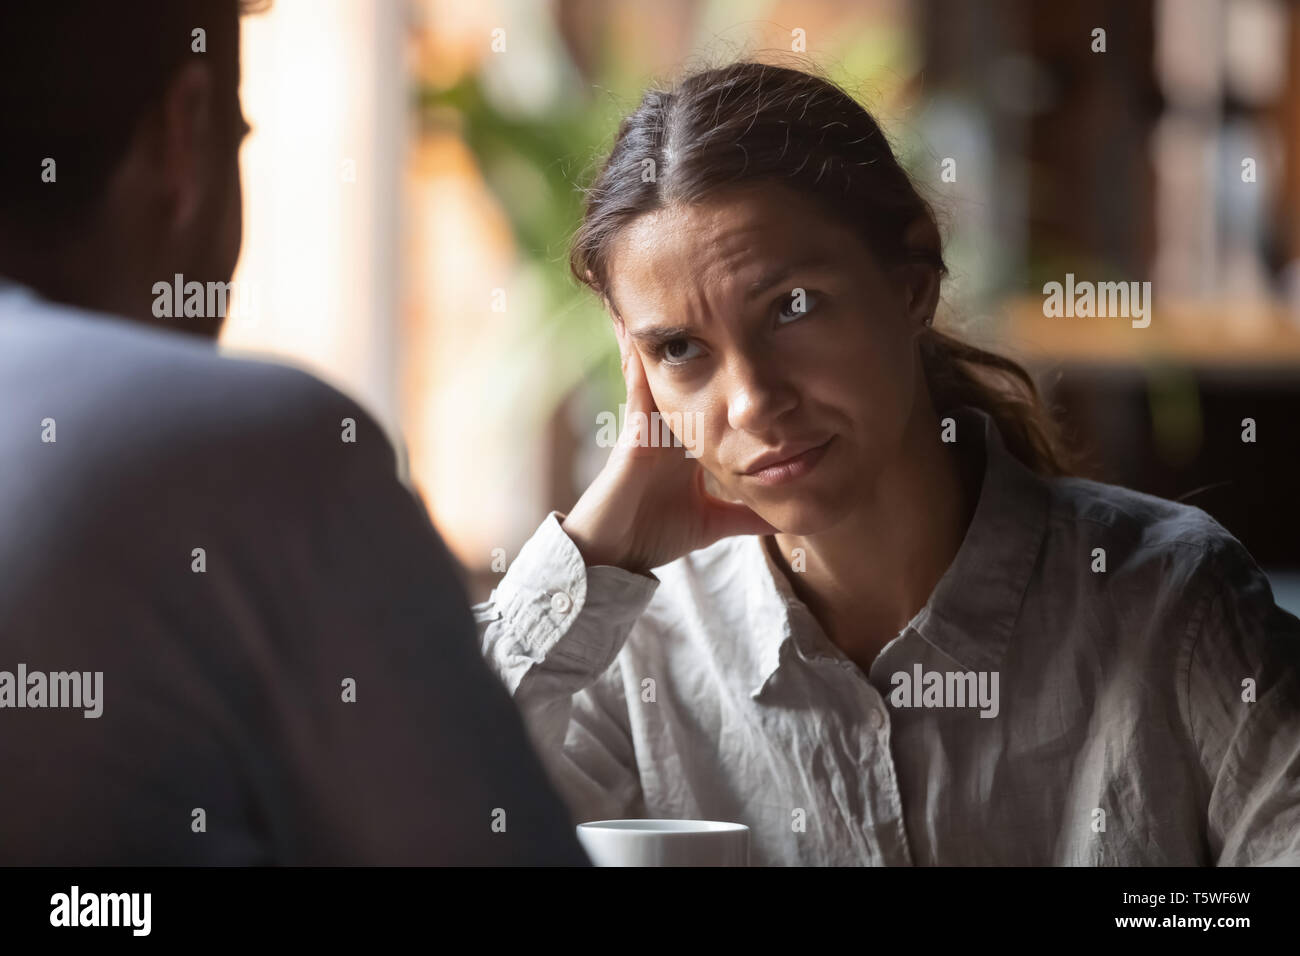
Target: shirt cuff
pixel 549 593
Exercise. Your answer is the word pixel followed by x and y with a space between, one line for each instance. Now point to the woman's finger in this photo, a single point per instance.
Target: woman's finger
pixel 640 403
pixel 638 384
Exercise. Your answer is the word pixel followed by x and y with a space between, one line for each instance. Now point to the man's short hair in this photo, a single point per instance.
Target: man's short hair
pixel 76 78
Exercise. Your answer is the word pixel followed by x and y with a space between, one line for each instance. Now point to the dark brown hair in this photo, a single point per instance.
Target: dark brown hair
pixel 752 121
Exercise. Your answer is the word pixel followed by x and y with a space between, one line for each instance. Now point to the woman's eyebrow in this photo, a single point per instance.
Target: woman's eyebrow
pixel 777 273
pixel 660 333
pixel 657 334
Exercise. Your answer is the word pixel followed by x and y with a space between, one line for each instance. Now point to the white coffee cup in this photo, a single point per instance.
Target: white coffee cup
pixel 665 843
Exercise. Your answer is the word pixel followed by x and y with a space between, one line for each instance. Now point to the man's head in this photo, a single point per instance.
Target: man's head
pixel 121 130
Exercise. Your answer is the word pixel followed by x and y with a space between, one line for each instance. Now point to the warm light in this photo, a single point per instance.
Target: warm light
pixel 322 82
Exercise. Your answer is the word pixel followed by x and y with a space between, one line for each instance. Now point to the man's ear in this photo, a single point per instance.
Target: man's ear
pixel 186 143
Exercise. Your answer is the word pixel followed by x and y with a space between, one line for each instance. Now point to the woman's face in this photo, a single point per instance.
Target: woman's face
pixel 709 297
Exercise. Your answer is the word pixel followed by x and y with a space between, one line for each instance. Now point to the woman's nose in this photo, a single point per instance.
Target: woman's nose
pixel 758 394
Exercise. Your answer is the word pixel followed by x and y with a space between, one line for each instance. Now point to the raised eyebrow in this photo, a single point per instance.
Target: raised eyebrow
pixel 777 273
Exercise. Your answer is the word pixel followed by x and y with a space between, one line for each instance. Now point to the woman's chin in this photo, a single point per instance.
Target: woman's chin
pixel 800 518
pixel 809 505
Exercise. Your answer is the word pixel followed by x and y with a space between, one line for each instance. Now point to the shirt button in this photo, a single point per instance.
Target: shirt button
pixel 561 602
pixel 875 719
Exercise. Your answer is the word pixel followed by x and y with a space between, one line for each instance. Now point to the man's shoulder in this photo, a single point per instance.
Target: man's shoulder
pixel 77 350
pixel 98 374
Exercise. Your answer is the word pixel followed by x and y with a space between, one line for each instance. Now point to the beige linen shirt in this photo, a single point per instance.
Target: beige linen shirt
pixel 1146 708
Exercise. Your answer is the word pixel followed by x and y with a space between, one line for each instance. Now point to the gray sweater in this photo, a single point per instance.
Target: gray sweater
pixel 227 634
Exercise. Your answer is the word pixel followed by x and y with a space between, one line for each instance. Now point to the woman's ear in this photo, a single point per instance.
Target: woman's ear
pixel 922 293
pixel 921 272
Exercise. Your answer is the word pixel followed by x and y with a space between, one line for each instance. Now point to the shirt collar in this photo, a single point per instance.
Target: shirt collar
pixel 973 610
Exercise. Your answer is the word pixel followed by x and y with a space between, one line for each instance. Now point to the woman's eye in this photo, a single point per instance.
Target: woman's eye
pixel 676 351
pixel 795 305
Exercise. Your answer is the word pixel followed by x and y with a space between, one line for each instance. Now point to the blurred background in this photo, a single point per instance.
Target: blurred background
pixel 412 182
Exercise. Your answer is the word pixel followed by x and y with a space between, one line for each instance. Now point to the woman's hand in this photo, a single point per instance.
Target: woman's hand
pixel 648 506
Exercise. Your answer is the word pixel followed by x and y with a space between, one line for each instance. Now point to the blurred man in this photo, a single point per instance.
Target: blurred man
pixel 228 632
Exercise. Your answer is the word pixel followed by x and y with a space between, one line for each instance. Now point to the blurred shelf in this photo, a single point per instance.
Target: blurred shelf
pixel 1221 334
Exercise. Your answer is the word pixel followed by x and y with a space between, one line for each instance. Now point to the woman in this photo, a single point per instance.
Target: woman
pixel 870 614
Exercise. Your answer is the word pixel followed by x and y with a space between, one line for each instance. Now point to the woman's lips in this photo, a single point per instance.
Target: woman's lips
pixel 791 468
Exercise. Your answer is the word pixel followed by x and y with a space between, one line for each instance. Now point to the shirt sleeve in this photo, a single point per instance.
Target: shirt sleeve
pixel 1243 699
pixel 552 632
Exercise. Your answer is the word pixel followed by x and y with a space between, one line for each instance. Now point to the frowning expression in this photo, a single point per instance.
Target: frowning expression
pixel 781 333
